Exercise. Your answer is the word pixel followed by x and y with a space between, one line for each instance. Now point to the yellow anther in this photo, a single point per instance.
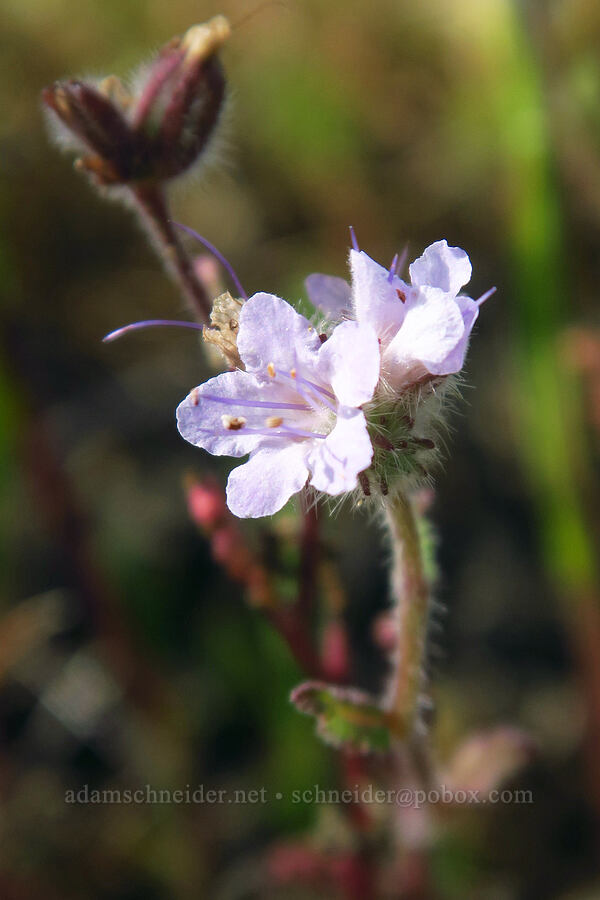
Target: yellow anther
pixel 233 423
pixel 293 373
pixel 274 421
pixel 271 369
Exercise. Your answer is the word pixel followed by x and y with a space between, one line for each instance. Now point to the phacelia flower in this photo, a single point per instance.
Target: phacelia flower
pixel 295 407
pixel 423 327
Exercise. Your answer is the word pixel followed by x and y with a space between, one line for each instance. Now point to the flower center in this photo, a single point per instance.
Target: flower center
pixel 312 415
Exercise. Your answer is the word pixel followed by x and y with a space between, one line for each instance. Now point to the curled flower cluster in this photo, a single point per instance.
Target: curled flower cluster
pixel 352 404
pixel 332 409
pixel 153 129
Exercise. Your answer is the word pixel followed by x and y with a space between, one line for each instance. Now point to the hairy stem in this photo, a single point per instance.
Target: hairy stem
pixel 151 204
pixel 410 591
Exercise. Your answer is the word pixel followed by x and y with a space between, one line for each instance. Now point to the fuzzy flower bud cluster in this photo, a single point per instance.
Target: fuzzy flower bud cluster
pixel 158 127
pixel 342 408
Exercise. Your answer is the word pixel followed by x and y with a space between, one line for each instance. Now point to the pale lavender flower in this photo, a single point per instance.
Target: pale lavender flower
pixel 423 327
pixel 295 408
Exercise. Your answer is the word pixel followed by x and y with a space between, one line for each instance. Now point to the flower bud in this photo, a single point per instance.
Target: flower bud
pixel 206 504
pixel 161 126
pixel 487 760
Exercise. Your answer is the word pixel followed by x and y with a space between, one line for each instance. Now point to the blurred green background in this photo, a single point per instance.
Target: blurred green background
pixel 126 655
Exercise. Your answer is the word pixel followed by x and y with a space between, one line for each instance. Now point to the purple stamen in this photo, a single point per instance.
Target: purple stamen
pixel 322 393
pixel 148 323
pixel 402 260
pixel 393 268
pixel 485 296
pixel 311 384
pixel 306 397
pixel 267 432
pixel 284 431
pixel 353 239
pixel 222 259
pixel 299 432
pixel 254 404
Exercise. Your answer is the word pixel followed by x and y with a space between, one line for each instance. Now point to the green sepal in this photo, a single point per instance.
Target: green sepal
pixel 346 717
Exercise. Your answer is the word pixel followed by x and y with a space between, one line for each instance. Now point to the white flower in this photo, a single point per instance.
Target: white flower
pixel 295 408
pixel 423 327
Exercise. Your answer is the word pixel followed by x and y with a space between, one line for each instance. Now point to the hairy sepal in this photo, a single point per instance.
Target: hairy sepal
pixel 346 718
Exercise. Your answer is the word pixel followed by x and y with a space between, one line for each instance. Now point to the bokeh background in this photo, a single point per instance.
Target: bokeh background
pixel 127 656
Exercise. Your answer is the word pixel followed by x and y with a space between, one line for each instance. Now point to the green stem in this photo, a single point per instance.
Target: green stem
pixel 410 591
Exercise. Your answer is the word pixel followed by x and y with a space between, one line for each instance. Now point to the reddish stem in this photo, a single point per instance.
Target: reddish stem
pixel 309 562
pixel 153 211
pixel 586 640
pixel 294 631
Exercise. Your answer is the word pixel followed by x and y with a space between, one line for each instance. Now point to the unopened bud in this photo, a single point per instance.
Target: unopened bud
pixel 487 760
pixel 95 123
pixel 206 504
pixel 156 131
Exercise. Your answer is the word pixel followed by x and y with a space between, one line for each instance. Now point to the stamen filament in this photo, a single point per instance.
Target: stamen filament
pixel 284 431
pixel 299 432
pixel 148 323
pixel 305 396
pixel 485 296
pixel 320 394
pixel 317 387
pixel 402 259
pixel 353 239
pixel 217 253
pixel 311 397
pixel 267 432
pixel 255 404
pixel 323 400
pixel 393 268
pixel 298 378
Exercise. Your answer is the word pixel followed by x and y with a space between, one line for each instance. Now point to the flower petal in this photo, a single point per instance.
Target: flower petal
pixel 349 362
pixel 271 331
pixel 432 329
pixel 200 415
pixel 346 451
pixel 376 300
pixel 329 294
pixel 456 358
pixel 267 481
pixel 469 310
pixel 441 266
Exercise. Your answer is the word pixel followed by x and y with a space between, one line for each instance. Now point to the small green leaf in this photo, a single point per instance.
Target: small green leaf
pixel 346 717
